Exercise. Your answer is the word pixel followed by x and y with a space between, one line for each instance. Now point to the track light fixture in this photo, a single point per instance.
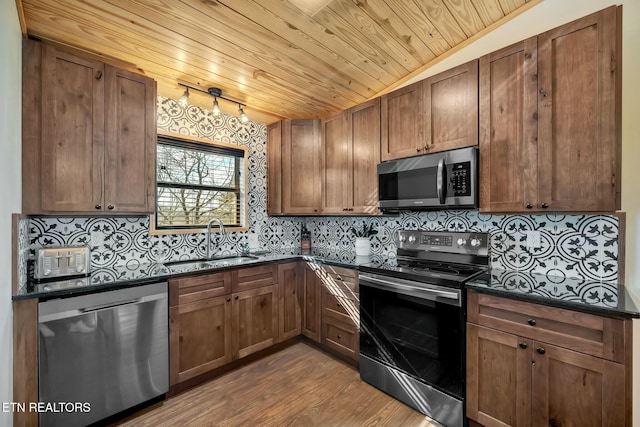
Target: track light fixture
pixel 217 94
pixel 184 99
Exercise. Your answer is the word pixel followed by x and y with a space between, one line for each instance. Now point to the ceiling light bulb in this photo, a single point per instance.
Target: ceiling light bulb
pixel 216 108
pixel 184 99
pixel 243 116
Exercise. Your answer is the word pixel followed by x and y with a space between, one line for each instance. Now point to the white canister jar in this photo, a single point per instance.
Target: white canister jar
pixel 363 246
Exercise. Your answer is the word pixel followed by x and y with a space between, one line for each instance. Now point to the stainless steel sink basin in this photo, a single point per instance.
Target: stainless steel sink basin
pixel 199 264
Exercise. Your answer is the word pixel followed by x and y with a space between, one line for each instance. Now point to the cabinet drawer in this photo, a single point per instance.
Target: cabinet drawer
pixel 341 337
pixel 344 309
pixel 254 277
pixel 582 332
pixel 194 288
pixel 342 282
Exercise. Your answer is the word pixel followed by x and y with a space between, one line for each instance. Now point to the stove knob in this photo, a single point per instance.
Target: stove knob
pixel 46 272
pixel 462 242
pixel 79 268
pixel 402 238
pixel 475 243
pixel 46 288
pixel 412 239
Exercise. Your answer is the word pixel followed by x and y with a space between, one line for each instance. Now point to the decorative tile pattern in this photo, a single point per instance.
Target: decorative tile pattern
pixel 580 246
pixel 23 253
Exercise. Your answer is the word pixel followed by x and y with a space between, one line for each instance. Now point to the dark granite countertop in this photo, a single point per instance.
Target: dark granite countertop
pixel 601 298
pixel 135 273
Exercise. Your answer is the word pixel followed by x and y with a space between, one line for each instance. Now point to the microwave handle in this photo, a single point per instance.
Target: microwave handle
pixel 441 179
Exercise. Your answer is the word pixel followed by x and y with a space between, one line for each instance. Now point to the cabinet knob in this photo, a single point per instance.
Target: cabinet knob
pixel 532 322
pixel 236 297
pixel 418 150
pixel 544 205
pixel 523 345
pixel 228 299
pixel 338 304
pixel 339 336
pixel 540 350
pixel 98 206
pixel 543 92
pixel 110 207
pixel 426 148
pixel 98 75
pixel 529 205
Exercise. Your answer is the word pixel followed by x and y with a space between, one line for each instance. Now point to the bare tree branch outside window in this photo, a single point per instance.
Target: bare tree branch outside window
pixel 195 183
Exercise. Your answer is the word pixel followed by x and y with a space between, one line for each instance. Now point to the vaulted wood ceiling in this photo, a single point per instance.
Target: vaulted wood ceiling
pixel 282 58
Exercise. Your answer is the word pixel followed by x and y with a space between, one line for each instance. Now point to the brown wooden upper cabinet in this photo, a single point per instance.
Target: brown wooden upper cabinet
pixel 549 120
pixel 88 135
pixel 435 114
pixel 297 168
pixel 350 153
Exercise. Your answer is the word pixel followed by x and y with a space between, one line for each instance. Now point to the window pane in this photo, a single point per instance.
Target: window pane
pixel 194 207
pixel 189 166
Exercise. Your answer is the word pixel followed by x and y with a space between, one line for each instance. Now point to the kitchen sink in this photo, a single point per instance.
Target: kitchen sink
pixel 199 264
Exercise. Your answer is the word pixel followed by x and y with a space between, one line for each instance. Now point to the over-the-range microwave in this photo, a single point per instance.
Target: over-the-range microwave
pixel 444 180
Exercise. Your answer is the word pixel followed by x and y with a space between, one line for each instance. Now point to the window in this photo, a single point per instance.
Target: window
pixel 198 181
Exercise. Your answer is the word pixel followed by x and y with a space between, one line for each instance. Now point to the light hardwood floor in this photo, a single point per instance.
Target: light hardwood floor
pixel 298 386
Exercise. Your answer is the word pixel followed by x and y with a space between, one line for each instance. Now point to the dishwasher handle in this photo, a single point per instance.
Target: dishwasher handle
pixel 110 305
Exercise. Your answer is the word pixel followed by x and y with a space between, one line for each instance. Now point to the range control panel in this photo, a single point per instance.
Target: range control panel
pixel 444 241
pixel 62 262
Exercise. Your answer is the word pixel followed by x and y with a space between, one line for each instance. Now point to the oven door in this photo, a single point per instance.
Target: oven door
pixel 416 330
pixel 435 181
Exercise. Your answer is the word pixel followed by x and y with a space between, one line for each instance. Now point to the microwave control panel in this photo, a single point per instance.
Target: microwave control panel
pixel 460 179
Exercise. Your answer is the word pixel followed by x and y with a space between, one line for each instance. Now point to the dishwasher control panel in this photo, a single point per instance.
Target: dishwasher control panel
pixel 61 261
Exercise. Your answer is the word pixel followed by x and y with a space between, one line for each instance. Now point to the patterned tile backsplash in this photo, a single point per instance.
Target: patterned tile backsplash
pixel 581 246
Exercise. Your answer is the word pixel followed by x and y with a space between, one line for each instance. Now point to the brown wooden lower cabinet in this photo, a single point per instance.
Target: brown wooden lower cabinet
pixel 289 300
pixel 515 380
pixel 203 336
pixel 311 308
pixel 255 320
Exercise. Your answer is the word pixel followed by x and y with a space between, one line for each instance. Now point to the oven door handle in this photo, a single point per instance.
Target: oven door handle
pixel 425 292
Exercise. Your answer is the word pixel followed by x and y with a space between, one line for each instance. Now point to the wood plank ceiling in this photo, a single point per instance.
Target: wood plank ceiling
pixel 282 58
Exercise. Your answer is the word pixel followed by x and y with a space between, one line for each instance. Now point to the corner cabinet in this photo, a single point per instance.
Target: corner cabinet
pixel 529 364
pixel 550 120
pixel 293 168
pixel 88 135
pixel 350 154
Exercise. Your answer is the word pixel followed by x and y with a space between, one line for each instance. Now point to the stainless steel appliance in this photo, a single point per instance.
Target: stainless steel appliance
pixel 104 352
pixel 59 261
pixel 448 179
pixel 412 321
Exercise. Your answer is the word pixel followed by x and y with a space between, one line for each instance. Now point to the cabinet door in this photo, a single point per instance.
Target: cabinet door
pixel 336 165
pixel 301 167
pixel 290 300
pixel 451 108
pixel 363 124
pixel 72 139
pixel 274 169
pixel 200 337
pixel 255 320
pixel 498 377
pixel 130 142
pixel 575 389
pixel 578 146
pixel 311 313
pixel 509 128
pixel 402 124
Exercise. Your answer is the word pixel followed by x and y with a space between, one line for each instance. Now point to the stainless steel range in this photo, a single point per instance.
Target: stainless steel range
pixel 412 321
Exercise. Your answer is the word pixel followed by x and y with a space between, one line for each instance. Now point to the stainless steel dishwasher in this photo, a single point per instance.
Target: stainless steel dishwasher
pixel 108 351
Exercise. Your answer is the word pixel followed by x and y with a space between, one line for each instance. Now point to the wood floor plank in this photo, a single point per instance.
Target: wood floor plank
pixel 298 386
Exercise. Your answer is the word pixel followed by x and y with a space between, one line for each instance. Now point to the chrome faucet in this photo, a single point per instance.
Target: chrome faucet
pixel 212 220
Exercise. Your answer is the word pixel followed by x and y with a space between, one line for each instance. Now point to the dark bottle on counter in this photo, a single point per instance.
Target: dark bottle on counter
pixel 305 240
